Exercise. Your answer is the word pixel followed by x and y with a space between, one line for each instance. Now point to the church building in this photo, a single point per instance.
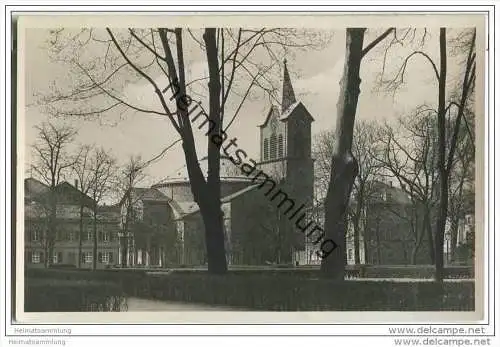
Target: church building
pixel 256 230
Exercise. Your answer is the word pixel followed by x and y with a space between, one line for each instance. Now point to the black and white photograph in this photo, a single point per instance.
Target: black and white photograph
pixel 250 165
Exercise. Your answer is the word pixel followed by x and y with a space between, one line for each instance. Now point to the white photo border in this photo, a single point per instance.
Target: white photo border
pixel 13 328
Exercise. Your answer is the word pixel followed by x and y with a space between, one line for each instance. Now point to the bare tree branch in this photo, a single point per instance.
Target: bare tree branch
pixel 149 79
pixel 376 41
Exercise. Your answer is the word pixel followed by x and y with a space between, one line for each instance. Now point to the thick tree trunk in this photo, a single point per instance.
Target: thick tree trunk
pixel 208 199
pixel 215 227
pixel 443 174
pixel 212 218
pixel 344 165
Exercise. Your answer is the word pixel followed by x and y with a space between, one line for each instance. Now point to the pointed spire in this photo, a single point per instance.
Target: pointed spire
pixel 288 94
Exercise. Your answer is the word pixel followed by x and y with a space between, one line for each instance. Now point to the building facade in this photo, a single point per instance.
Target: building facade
pixel 148 233
pixel 392 231
pixel 67 250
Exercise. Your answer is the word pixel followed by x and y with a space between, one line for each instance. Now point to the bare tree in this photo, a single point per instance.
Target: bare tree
pixel 461 183
pixel 448 105
pixel 410 156
pixel 82 170
pixel 344 164
pixel 51 161
pixel 148 53
pixel 102 166
pixel 130 176
pixel 365 149
pixel 446 156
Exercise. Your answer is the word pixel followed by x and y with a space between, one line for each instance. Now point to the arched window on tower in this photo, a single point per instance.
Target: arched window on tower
pixel 266 149
pixel 280 146
pixel 273 146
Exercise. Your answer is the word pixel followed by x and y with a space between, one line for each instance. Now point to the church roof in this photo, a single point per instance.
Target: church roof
pixel 192 207
pixel 288 101
pixel 272 111
pixel 228 172
pixel 183 208
pixel 239 193
pixel 288 96
pixel 149 194
pixel 286 114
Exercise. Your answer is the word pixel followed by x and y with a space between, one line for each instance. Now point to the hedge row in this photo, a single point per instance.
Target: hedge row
pixel 415 271
pixel 275 290
pixel 55 295
pixel 263 292
pixel 352 271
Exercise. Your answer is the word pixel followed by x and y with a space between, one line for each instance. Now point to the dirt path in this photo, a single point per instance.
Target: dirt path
pixel 138 305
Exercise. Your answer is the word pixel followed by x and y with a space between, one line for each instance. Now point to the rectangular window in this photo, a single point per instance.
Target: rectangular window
pixel 469 219
pixel 57 258
pixel 35 257
pixel 280 146
pixel 70 236
pixel 106 257
pixel 105 236
pixel 350 254
pixel 273 145
pixel 88 257
pixel 35 235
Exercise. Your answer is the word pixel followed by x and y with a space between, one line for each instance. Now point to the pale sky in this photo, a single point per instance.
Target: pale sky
pixel 315 77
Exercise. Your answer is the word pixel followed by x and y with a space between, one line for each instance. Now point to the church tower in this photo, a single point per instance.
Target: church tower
pixel 285 147
pixel 285 141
